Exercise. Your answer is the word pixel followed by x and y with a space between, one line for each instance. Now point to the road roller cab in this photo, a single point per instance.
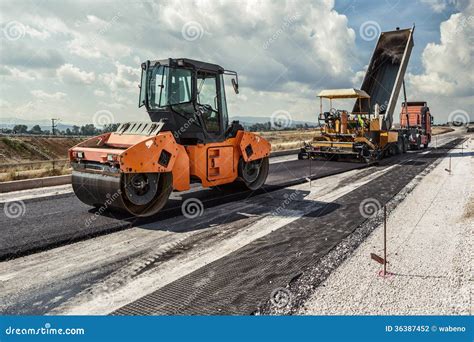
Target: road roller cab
pixel 189 139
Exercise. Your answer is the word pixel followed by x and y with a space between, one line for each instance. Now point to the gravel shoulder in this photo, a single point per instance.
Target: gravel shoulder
pixel 430 250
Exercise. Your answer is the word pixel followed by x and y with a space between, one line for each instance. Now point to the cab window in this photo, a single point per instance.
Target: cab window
pixel 207 99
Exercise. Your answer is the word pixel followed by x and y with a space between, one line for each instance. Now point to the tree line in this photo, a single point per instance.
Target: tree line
pixel 88 129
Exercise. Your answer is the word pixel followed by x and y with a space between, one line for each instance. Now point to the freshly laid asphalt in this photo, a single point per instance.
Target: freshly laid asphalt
pixel 245 279
pixel 237 283
pixel 53 221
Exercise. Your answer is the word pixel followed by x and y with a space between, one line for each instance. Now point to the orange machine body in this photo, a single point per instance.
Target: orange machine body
pixel 212 164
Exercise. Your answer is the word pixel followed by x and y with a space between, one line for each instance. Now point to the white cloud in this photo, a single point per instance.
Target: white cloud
pixel 82 47
pixel 358 77
pixel 125 77
pixel 436 5
pixel 71 74
pixel 17 74
pixel 99 93
pixel 269 43
pixel 284 52
pixel 92 41
pixel 42 95
pixel 112 105
pixel 448 78
pixel 4 104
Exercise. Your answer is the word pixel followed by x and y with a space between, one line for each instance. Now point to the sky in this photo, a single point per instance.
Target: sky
pixel 80 60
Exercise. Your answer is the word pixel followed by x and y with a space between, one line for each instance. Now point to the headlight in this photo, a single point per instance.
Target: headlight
pixel 80 154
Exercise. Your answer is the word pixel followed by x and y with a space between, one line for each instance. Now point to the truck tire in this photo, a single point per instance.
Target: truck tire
pixel 426 145
pixel 399 146
pixel 418 143
pixel 392 149
pixel 405 144
pixel 303 155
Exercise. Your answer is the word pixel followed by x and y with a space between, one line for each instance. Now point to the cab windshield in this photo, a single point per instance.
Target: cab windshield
pixel 165 86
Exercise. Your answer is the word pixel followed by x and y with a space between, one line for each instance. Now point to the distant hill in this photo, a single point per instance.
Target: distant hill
pixel 44 124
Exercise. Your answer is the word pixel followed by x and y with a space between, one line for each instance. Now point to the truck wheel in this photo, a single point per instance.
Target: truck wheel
pixel 303 155
pixel 365 154
pixel 418 143
pixel 392 149
pixel 399 146
pixel 405 144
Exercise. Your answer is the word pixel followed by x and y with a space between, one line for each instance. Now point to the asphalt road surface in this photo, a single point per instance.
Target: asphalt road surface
pixel 226 260
pixel 57 220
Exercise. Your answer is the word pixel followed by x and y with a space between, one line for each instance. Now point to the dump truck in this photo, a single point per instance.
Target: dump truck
pixel 188 140
pixel 415 124
pixel 367 132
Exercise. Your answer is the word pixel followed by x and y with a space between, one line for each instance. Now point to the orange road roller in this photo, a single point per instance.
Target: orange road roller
pixel 188 140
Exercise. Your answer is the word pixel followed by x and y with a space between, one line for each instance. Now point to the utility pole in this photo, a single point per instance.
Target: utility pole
pixel 54 125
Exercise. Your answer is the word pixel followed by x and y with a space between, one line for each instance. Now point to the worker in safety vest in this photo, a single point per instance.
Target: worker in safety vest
pixel 360 120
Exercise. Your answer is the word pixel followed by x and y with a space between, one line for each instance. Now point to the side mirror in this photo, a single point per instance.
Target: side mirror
pixel 432 120
pixel 235 85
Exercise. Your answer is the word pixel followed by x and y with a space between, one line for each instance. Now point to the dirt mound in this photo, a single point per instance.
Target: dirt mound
pixel 22 149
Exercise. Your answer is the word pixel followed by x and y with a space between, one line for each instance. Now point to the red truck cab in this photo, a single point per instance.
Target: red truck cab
pixel 416 120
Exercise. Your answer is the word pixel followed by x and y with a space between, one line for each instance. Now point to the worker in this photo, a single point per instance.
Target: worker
pixel 360 120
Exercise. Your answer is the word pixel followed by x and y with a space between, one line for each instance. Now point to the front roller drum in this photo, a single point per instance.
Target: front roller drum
pixel 139 194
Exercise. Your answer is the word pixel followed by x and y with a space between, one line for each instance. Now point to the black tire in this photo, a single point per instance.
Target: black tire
pixel 165 187
pixel 399 146
pixel 418 143
pixel 303 155
pixel 391 149
pixel 365 154
pixel 405 144
pixel 252 181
